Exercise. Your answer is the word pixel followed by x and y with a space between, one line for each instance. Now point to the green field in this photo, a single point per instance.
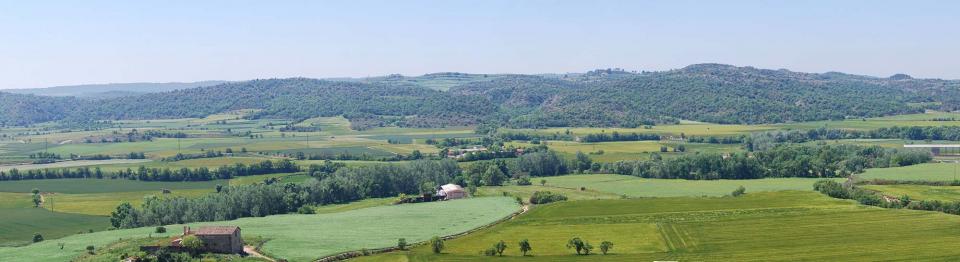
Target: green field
pixel 20 220
pixel 101 204
pixel 307 237
pixel 772 226
pixel 942 193
pixel 72 164
pixel 524 192
pixel 642 187
pixel 81 186
pixel 930 172
pixel 631 150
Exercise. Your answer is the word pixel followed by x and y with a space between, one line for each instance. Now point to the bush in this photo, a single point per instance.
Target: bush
pixel 489 252
pixel 523 181
pixel 606 246
pixel 161 230
pixel 192 242
pixel 436 244
pixel 402 243
pixel 543 197
pixel 739 191
pixel 37 237
pixel 90 249
pixel 306 210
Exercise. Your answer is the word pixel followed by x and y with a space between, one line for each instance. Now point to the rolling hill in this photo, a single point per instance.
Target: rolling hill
pixel 703 92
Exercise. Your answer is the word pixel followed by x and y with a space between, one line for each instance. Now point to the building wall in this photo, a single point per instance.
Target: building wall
pixel 223 243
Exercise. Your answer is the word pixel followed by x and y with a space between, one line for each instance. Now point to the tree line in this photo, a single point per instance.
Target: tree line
pixel 788 160
pixel 157 174
pixel 341 186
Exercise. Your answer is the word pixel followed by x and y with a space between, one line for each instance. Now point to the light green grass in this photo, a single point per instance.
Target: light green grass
pixel 630 150
pixel 19 220
pixel 642 187
pixel 921 192
pixel 85 186
pixel 770 226
pixel 524 192
pixel 101 204
pixel 307 237
pixel 929 171
pixel 73 164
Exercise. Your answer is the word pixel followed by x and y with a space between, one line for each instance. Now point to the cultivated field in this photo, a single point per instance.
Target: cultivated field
pixel 931 172
pixel 641 187
pixel 921 192
pixel 771 226
pixel 20 220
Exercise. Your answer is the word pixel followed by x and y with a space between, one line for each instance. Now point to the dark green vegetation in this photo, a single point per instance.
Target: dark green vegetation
pixel 705 92
pixel 779 161
pixel 257 200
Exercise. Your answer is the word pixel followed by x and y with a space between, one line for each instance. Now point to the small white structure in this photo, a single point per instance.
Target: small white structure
pixel 451 191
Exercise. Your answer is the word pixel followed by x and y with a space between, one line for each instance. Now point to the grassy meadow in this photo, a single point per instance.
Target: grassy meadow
pixel 921 192
pixel 768 226
pixel 307 237
pixel 20 220
pixel 929 171
pixel 643 187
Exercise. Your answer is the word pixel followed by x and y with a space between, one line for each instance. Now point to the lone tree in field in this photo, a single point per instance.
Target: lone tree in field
pixel 37 200
pixel 37 237
pixel 402 243
pixel 436 244
pixel 90 249
pixel 500 247
pixel 525 246
pixel 576 243
pixel 739 191
pixel 160 230
pixel 543 182
pixel 606 246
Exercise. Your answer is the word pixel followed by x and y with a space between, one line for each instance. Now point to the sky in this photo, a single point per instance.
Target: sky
pixel 50 43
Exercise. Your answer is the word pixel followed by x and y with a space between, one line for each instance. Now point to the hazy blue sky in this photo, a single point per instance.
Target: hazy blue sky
pixel 45 43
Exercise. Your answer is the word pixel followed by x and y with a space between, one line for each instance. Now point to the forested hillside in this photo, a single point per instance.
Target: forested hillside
pixel 704 92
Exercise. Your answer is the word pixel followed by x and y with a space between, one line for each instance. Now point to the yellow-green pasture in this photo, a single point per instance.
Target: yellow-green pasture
pixel 768 226
pixel 928 171
pixel 643 187
pixel 921 192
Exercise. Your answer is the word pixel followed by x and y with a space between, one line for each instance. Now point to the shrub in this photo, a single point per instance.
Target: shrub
pixel 525 246
pixel 402 243
pixel 606 246
pixel 192 242
pixel 436 244
pixel 161 230
pixel 500 247
pixel 306 210
pixel 739 191
pixel 577 244
pixel 90 249
pixel 543 197
pixel 523 181
pixel 37 237
pixel 489 252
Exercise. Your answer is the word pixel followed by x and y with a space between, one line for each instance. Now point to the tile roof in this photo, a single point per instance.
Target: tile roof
pixel 217 230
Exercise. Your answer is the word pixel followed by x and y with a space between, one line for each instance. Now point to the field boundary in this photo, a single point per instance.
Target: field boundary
pixel 366 252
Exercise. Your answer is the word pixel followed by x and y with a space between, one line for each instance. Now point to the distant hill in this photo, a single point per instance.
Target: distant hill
pixel 110 90
pixel 609 97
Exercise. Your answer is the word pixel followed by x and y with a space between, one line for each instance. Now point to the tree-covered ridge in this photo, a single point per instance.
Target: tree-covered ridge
pixel 705 92
pixel 20 109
